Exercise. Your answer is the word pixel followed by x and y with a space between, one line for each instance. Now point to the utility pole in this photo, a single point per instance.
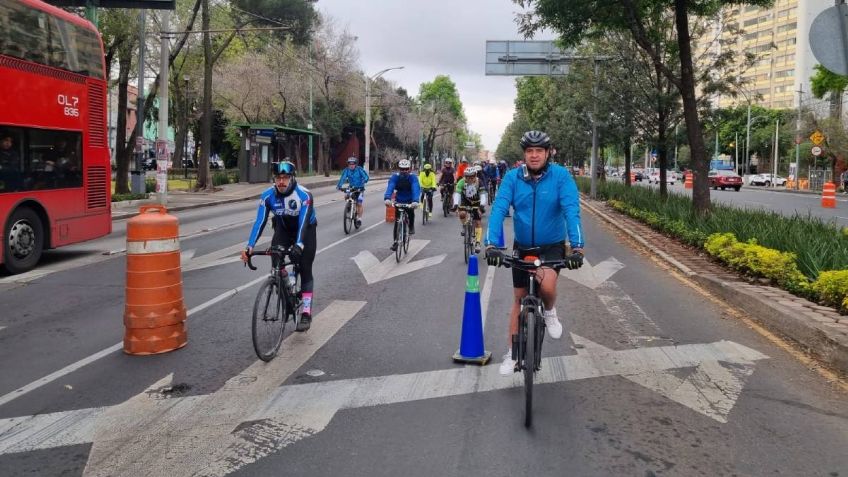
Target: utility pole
pixel 162 168
pixel 747 141
pixel 776 149
pixel 594 161
pixel 798 138
pixel 310 125
pixel 736 151
pixel 137 185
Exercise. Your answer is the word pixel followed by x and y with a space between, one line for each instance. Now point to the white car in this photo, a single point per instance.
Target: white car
pixel 767 180
pixel 670 177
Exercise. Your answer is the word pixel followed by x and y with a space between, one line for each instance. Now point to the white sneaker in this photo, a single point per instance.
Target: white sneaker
pixel 508 364
pixel 553 325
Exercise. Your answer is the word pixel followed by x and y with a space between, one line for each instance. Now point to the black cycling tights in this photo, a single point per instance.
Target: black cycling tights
pixel 310 242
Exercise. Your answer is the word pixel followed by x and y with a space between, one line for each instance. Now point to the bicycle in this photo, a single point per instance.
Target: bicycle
pixel 447 199
pixel 493 189
pixel 527 344
pixel 468 242
pixel 402 223
pixel 349 219
pixel 278 302
pixel 426 198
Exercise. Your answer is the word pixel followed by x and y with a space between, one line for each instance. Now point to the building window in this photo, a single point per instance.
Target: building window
pixel 787 27
pixel 784 74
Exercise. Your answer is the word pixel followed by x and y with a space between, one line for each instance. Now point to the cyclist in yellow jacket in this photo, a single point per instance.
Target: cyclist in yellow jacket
pixel 427 180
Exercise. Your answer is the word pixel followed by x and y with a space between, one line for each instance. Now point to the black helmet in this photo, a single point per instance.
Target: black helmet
pixel 535 139
pixel 285 167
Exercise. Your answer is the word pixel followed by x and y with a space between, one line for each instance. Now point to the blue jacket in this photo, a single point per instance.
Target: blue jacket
pixel 407 193
pixel 544 209
pixel 294 212
pixel 357 178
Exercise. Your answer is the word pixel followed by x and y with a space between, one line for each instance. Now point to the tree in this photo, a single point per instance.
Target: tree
pixel 441 111
pixel 578 20
pixel 825 82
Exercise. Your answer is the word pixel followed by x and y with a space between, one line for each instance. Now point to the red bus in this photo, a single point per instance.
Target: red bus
pixel 54 152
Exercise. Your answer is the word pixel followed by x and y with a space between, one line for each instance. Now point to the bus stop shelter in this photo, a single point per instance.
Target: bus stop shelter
pixel 265 144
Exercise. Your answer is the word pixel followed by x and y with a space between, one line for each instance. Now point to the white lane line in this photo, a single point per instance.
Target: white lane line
pixel 2 328
pixel 8 397
pixel 350 236
pixel 486 294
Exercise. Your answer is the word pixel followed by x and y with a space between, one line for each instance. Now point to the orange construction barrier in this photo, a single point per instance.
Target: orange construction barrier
pixel 390 210
pixel 829 195
pixel 687 183
pixel 154 315
pixel 632 177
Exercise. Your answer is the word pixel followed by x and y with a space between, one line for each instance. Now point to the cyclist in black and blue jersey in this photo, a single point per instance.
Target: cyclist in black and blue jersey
pixel 407 190
pixel 294 225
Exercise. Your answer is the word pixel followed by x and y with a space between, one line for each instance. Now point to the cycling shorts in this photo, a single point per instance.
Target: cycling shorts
pixel 359 197
pixel 555 251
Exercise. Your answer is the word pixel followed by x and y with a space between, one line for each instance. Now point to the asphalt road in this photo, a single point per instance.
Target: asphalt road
pixel 650 378
pixel 784 203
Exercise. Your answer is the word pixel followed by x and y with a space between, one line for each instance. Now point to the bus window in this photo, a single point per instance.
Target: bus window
pixel 11 163
pixel 38 159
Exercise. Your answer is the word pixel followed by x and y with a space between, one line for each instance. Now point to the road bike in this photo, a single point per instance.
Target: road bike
pixel 349 219
pixel 278 302
pixel 426 198
pixel 402 225
pixel 468 243
pixel 527 344
pixel 493 189
pixel 447 199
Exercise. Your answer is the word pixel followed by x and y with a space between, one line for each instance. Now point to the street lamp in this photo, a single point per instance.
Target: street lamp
pixel 185 129
pixel 368 81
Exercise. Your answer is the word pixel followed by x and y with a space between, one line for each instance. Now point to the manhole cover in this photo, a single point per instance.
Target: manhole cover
pixel 315 373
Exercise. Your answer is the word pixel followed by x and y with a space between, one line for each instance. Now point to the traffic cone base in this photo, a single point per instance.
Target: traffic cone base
pixel 471 349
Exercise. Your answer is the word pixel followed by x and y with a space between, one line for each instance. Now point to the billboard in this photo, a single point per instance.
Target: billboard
pixel 526 58
pixel 149 4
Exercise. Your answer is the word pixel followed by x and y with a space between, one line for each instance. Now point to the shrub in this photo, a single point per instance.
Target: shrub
pixel 220 178
pixel 756 260
pixel 123 197
pixel 832 288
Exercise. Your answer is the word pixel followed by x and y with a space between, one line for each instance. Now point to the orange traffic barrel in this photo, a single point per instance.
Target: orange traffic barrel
pixel 829 195
pixel 687 183
pixel 154 315
pixel 632 177
pixel 390 210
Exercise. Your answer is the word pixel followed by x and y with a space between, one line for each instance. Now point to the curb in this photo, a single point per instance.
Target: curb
pixel 127 215
pixel 827 339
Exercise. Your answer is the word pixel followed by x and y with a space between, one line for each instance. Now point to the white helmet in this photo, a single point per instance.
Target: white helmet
pixel 448 161
pixel 404 164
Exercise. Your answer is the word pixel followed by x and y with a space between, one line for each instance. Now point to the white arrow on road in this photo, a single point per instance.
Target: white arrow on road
pixel 297 411
pixel 374 270
pixel 592 277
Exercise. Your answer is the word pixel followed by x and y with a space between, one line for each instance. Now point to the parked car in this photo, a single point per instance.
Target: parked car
pixel 767 180
pixel 725 179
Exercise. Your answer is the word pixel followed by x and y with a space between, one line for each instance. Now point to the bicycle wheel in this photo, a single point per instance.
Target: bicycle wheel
pixel 425 211
pixel 406 234
pixel 528 325
pixel 469 243
pixel 446 204
pixel 269 324
pixel 401 233
pixel 348 217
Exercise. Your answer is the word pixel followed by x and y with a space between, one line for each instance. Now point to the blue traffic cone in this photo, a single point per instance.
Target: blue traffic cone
pixel 471 348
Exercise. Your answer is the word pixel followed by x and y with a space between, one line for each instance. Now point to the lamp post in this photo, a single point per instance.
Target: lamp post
pixel 368 81
pixel 185 130
pixel 748 139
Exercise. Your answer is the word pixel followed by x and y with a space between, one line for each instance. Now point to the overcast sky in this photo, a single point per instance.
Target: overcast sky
pixel 433 37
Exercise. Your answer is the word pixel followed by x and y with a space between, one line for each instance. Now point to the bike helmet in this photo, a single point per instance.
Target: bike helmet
pixel 470 172
pixel 404 164
pixel 352 160
pixel 535 139
pixel 285 167
pixel 463 160
pixel 427 167
pixel 448 161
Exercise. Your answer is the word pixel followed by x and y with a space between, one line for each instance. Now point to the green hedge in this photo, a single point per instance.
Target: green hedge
pixel 818 245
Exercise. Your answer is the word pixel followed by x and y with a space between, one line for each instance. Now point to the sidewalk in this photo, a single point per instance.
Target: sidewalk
pixel 816 328
pixel 226 194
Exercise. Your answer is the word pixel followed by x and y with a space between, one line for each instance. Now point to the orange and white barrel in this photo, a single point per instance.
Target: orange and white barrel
pixel 688 181
pixel 828 200
pixel 154 315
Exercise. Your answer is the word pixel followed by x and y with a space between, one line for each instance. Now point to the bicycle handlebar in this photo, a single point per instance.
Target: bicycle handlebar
pixel 352 189
pixel 402 206
pixel 276 250
pixel 528 266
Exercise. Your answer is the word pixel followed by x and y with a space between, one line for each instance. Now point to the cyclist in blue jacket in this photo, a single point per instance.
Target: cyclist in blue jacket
pixel 356 177
pixel 294 225
pixel 546 208
pixel 408 191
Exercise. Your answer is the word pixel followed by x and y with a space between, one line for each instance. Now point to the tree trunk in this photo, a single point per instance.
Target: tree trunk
pixel 122 149
pixel 203 181
pixel 700 166
pixel 628 159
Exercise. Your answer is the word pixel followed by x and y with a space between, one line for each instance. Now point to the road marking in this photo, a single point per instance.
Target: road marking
pixel 297 411
pixel 2 328
pixel 226 255
pixel 374 270
pixel 181 433
pixel 592 277
pixel 638 327
pixel 351 236
pixel 10 396
pixel 486 294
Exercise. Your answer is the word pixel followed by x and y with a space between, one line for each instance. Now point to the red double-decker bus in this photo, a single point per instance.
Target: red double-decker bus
pixel 54 152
